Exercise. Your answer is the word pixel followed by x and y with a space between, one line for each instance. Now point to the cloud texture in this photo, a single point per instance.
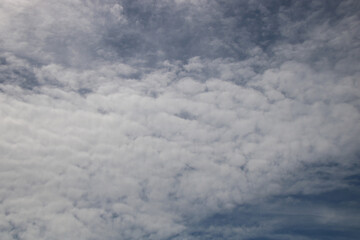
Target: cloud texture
pixel 179 119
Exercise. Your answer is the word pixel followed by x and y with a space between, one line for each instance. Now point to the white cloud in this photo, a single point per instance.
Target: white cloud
pixel 96 147
pixel 123 158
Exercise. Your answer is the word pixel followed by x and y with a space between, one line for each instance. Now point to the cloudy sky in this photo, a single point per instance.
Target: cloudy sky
pixel 179 119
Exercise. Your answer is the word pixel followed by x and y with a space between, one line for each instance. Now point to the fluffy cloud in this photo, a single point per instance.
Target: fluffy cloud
pixel 117 124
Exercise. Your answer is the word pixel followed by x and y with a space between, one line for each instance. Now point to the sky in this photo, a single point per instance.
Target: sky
pixel 179 119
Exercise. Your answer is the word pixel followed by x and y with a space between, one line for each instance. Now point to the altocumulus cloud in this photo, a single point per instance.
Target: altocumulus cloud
pixel 179 119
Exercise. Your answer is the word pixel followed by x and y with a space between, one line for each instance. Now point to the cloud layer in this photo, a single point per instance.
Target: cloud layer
pixel 179 119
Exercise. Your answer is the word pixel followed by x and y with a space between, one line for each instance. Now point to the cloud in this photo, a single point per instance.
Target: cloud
pixel 177 120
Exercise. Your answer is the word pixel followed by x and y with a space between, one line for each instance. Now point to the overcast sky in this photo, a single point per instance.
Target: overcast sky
pixel 179 119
